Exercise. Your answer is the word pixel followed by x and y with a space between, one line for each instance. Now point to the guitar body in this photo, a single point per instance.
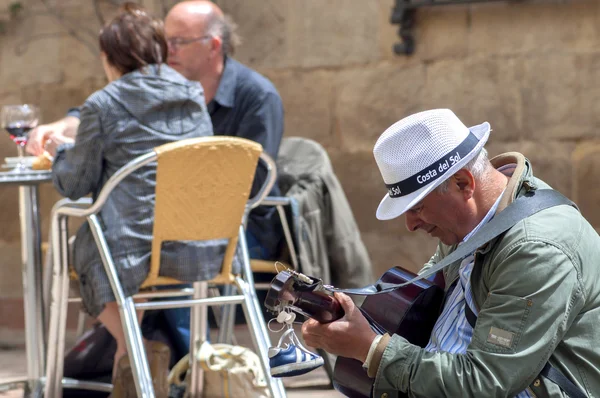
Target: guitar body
pixel 410 312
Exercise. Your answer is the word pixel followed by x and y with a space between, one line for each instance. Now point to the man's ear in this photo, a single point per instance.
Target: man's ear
pixel 216 45
pixel 464 182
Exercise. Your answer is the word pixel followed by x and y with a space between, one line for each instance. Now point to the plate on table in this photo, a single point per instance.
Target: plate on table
pixel 11 163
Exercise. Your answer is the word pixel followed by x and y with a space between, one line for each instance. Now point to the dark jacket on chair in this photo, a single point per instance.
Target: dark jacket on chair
pixel 329 242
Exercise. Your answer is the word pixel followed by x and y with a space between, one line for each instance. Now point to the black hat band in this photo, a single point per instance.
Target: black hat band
pixel 434 171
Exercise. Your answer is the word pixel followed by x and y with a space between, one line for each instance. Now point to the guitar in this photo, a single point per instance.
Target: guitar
pixel 410 311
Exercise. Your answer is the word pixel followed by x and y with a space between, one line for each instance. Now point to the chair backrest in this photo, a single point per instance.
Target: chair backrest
pixel 202 190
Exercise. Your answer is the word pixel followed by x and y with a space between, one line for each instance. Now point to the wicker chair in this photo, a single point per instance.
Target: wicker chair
pixel 214 206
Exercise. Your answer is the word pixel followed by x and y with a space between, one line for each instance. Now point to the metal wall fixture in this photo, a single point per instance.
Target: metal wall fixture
pixel 404 13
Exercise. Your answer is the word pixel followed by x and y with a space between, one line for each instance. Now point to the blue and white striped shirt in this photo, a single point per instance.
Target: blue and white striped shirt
pixel 452 332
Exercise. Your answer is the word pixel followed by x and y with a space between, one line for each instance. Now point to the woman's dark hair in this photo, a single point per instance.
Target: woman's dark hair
pixel 133 39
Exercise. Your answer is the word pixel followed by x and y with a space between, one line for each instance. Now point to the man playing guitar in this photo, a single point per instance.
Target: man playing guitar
pixel 521 315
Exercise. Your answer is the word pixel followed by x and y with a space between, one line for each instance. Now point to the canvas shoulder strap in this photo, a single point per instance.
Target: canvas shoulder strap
pixel 523 207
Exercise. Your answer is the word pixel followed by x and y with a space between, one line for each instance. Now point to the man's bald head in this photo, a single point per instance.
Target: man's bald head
pixel 196 12
pixel 200 17
pixel 200 37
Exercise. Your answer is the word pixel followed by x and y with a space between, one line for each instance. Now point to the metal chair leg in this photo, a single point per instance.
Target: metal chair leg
pixel 255 319
pixel 59 306
pixel 198 331
pixel 55 287
pixel 135 349
pixel 131 328
pixel 81 317
pixel 260 336
pixel 227 318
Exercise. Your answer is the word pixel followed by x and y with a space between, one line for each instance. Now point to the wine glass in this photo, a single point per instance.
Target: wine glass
pixel 18 120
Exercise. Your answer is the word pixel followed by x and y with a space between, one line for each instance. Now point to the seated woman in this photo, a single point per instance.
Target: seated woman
pixel 146 104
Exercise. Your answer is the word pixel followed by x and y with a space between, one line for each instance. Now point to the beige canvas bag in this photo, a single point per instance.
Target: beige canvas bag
pixel 229 372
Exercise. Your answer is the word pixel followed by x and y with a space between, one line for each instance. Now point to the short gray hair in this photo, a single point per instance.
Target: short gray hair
pixel 477 166
pixel 224 27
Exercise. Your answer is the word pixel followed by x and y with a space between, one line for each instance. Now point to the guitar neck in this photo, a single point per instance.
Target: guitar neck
pixel 306 295
pixel 319 305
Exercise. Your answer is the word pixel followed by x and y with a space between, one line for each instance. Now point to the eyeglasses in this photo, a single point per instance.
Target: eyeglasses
pixel 176 42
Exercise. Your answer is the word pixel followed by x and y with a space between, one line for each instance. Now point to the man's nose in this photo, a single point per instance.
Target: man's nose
pixel 412 221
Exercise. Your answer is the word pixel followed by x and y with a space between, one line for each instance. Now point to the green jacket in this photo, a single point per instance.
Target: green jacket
pixel 536 288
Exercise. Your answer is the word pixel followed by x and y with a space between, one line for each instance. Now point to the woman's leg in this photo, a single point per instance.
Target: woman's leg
pixel 111 319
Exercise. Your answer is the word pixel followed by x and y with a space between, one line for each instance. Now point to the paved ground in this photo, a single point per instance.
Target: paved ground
pixel 13 366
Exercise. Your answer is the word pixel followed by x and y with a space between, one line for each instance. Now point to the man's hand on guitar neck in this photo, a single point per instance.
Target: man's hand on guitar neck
pixel 350 336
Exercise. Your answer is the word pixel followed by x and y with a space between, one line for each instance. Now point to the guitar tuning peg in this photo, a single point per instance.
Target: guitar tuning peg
pixel 286 317
pixel 291 318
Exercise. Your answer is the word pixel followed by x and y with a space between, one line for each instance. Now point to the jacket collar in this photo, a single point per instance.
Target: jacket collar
pixel 520 182
pixel 521 179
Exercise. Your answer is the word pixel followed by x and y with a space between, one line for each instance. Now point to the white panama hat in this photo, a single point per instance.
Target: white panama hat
pixel 419 152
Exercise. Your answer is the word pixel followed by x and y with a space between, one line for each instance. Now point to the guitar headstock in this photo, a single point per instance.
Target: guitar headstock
pixel 305 295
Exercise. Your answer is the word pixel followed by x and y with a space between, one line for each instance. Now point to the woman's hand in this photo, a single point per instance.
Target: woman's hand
pixel 350 336
pixel 66 127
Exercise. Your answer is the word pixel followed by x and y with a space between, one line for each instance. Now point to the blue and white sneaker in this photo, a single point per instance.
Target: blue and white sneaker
pixel 292 359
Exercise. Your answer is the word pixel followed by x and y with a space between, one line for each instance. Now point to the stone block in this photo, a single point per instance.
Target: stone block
pixel 308 103
pixel 80 53
pixel 362 184
pixel 263 27
pixel 29 53
pixel 586 174
pixel 551 161
pixel 477 89
pixel 332 33
pixel 9 216
pixel 11 282
pixel 442 32
pixel 407 251
pixel 559 98
pixel 534 27
pixel 55 99
pixel 369 100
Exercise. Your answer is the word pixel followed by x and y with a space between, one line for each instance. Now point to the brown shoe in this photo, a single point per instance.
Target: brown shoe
pixel 123 383
pixel 159 356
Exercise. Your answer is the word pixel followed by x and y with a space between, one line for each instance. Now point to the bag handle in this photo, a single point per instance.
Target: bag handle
pixel 222 357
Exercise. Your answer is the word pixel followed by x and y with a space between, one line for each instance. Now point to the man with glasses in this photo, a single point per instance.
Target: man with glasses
pixel 241 102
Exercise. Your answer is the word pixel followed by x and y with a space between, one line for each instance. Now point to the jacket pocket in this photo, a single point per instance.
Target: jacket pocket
pixel 504 328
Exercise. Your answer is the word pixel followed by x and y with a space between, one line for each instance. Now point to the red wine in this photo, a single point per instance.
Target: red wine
pixel 18 133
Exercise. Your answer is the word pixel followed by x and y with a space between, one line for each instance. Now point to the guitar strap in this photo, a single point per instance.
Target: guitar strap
pixel 523 207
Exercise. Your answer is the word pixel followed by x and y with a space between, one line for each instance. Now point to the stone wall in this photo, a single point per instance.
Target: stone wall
pixel 529 68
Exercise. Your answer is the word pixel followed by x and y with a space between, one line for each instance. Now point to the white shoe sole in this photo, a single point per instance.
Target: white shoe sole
pixel 292 367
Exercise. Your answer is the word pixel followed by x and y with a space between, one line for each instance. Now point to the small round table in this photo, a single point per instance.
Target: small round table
pixel 31 253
